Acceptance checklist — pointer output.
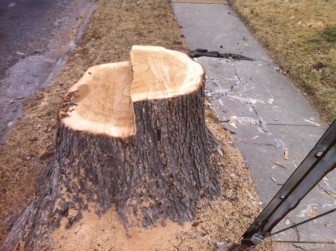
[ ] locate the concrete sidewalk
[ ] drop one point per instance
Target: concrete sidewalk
(266, 114)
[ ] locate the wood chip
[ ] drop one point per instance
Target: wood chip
(219, 150)
(286, 154)
(280, 164)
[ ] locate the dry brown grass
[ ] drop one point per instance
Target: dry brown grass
(301, 36)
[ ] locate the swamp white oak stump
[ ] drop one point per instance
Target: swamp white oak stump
(134, 134)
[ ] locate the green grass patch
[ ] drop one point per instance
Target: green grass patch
(329, 35)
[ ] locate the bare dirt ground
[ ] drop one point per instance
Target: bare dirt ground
(301, 37)
(114, 28)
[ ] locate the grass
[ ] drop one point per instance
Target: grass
(301, 37)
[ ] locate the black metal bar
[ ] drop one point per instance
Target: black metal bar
(320, 161)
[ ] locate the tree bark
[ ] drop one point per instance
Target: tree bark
(160, 170)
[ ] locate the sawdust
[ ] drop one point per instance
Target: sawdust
(222, 220)
(108, 233)
(114, 28)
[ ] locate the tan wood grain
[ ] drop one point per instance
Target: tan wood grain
(102, 100)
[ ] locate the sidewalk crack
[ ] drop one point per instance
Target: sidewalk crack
(299, 247)
(297, 232)
(326, 192)
(260, 123)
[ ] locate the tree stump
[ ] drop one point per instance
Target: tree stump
(134, 134)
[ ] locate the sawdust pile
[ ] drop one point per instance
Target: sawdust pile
(217, 222)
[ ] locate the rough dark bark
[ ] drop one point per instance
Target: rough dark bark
(159, 173)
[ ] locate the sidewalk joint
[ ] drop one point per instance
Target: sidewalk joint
(287, 124)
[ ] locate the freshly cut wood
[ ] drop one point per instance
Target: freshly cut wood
(100, 102)
(134, 134)
(159, 73)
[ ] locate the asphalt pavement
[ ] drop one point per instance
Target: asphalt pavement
(273, 125)
(35, 36)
